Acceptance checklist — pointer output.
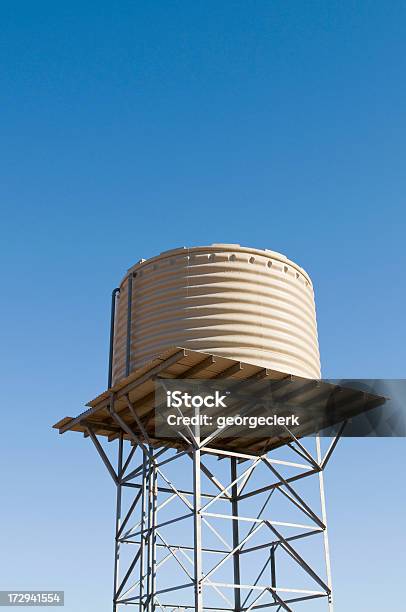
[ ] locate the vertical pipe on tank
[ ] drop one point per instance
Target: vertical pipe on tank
(112, 320)
(129, 317)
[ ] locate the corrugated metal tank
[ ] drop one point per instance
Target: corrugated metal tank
(247, 304)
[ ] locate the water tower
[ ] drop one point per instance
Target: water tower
(203, 523)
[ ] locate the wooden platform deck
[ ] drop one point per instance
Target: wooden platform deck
(138, 390)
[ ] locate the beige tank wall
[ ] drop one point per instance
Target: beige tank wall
(248, 304)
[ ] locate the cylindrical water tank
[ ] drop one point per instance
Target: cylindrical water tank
(248, 304)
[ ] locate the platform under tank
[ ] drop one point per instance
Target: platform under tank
(248, 304)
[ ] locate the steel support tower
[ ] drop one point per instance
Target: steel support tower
(217, 525)
(205, 528)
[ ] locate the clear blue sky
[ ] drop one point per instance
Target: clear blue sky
(130, 128)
